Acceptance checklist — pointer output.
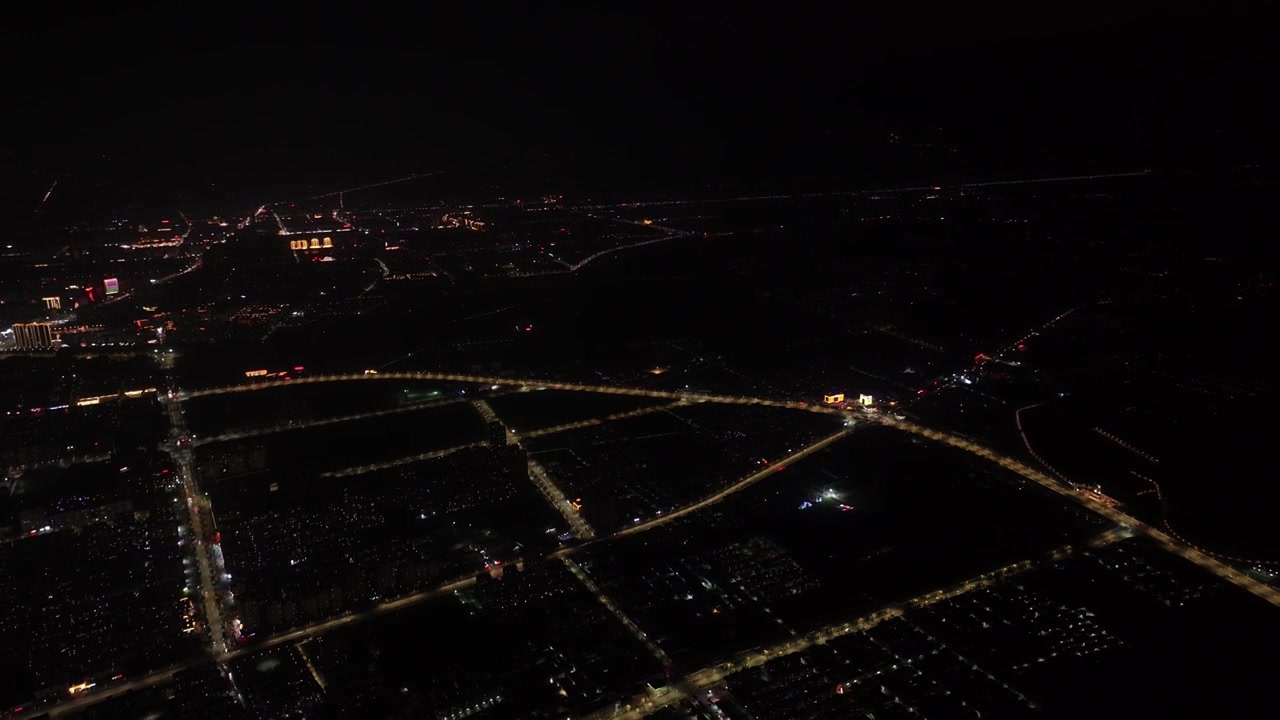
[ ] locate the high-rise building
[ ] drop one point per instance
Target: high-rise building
(498, 434)
(33, 336)
(600, 507)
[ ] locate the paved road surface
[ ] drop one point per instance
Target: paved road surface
(286, 427)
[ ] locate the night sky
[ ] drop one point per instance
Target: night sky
(222, 103)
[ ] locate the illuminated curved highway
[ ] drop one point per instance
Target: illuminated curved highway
(510, 382)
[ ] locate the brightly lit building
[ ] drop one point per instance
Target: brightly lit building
(33, 336)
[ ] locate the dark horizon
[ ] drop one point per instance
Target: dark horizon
(174, 106)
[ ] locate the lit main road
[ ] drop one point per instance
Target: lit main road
(1222, 570)
(341, 621)
(63, 462)
(286, 427)
(388, 464)
(742, 484)
(709, 677)
(550, 490)
(556, 497)
(654, 648)
(159, 677)
(486, 411)
(513, 382)
(631, 246)
(195, 504)
(600, 420)
(669, 233)
(199, 263)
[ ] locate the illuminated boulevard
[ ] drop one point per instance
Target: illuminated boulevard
(699, 679)
(514, 382)
(742, 484)
(599, 421)
(1222, 570)
(374, 467)
(618, 612)
(325, 626)
(308, 424)
(196, 504)
(551, 492)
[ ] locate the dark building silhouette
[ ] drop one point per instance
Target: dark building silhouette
(497, 434)
(600, 508)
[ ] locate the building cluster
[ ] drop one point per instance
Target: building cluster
(462, 220)
(230, 460)
(38, 520)
(533, 643)
(66, 428)
(892, 670)
(761, 568)
(995, 651)
(544, 646)
(708, 602)
(95, 593)
(279, 683)
(160, 235)
(77, 271)
(257, 314)
(201, 691)
(298, 559)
